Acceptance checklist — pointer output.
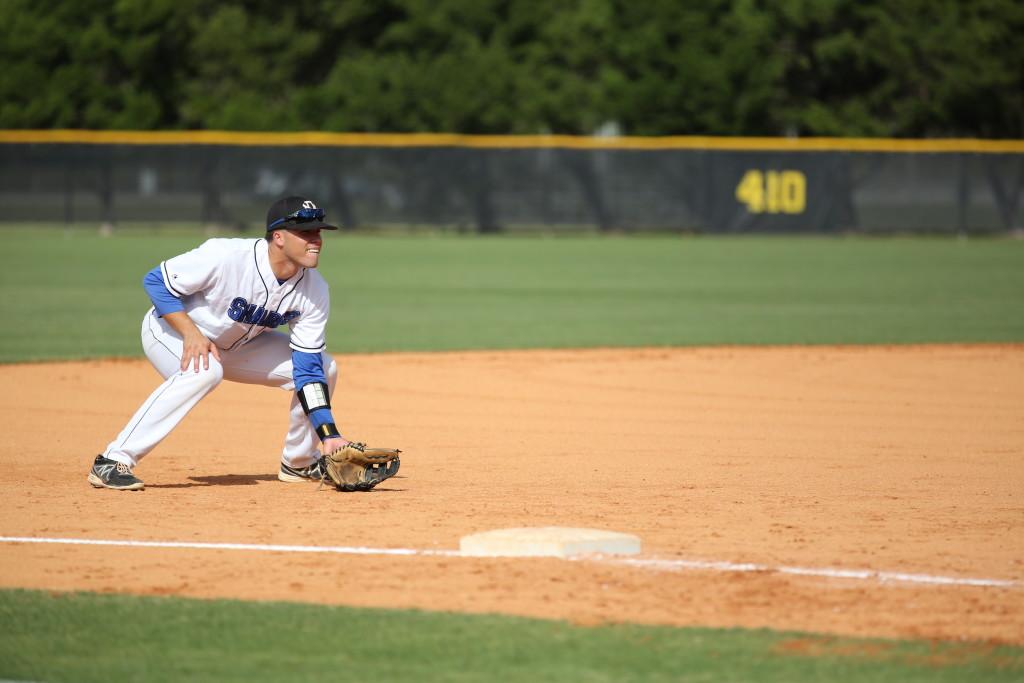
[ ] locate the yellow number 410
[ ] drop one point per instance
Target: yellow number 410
(773, 191)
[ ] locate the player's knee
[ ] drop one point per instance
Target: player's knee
(330, 370)
(210, 377)
(216, 372)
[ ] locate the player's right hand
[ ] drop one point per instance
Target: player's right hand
(198, 348)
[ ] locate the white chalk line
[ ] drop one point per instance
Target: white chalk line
(642, 563)
(861, 574)
(233, 546)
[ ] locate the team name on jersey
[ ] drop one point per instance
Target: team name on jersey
(242, 311)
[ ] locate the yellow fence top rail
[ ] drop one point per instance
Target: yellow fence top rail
(212, 137)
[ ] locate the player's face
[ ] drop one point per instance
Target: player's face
(302, 247)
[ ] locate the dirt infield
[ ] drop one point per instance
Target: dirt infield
(769, 461)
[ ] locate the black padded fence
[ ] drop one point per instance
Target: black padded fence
(491, 185)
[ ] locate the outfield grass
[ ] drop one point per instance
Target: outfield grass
(82, 637)
(78, 295)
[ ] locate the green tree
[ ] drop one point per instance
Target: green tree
(662, 67)
(91, 64)
(710, 69)
(443, 66)
(247, 68)
(918, 68)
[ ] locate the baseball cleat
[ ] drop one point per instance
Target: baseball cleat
(110, 474)
(314, 472)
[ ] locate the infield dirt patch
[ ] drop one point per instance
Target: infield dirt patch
(890, 459)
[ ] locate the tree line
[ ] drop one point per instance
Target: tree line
(846, 68)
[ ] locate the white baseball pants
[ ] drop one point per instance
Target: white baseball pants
(266, 360)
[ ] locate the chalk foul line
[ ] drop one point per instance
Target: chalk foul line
(637, 562)
(824, 572)
(233, 546)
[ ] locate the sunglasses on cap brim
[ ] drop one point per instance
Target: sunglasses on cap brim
(301, 216)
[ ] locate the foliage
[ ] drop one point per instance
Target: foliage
(916, 68)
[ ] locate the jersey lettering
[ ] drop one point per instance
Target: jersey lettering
(254, 315)
(237, 308)
(242, 311)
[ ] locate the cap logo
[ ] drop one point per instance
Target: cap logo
(308, 205)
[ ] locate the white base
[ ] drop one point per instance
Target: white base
(549, 541)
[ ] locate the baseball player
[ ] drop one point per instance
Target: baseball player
(217, 314)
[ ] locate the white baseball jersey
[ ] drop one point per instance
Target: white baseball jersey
(228, 289)
(232, 295)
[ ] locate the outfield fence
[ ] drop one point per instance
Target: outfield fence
(492, 184)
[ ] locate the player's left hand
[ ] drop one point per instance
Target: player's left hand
(335, 443)
(357, 467)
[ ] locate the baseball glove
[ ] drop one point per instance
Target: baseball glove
(356, 467)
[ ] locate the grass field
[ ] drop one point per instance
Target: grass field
(82, 637)
(77, 295)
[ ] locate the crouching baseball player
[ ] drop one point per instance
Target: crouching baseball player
(217, 314)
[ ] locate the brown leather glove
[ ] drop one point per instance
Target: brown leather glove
(357, 467)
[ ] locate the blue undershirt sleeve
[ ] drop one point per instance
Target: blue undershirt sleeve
(306, 368)
(163, 301)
